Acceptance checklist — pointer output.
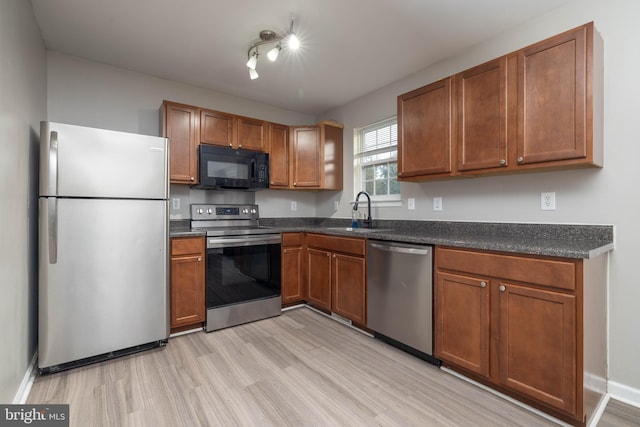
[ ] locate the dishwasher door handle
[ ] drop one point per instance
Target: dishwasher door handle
(401, 249)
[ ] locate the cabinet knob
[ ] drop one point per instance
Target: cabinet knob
(192, 178)
(334, 255)
(503, 162)
(483, 284)
(239, 145)
(199, 258)
(502, 288)
(230, 145)
(520, 159)
(295, 183)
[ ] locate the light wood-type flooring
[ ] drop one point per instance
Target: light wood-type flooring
(298, 369)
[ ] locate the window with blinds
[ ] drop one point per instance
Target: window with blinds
(376, 160)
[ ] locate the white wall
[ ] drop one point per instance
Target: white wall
(607, 196)
(22, 106)
(88, 93)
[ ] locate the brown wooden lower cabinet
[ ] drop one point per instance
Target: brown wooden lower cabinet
(336, 275)
(187, 282)
(517, 323)
(292, 268)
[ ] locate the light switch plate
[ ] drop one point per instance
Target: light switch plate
(411, 203)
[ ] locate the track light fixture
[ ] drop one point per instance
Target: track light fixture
(266, 37)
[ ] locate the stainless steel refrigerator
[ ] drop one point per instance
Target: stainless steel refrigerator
(103, 268)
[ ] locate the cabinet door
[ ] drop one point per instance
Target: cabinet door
(331, 136)
(252, 134)
(187, 290)
(278, 156)
(319, 278)
(292, 278)
(537, 345)
(306, 155)
(424, 125)
(481, 111)
(349, 287)
(180, 125)
(461, 307)
(552, 93)
(216, 128)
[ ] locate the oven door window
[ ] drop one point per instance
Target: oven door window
(241, 274)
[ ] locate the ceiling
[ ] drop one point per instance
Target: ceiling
(348, 47)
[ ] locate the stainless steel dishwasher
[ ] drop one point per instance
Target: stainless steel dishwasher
(400, 296)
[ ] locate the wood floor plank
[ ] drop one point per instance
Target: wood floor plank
(298, 369)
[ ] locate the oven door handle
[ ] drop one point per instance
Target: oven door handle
(224, 242)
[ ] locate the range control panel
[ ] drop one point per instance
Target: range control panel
(223, 212)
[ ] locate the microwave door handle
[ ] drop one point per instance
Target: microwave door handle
(253, 170)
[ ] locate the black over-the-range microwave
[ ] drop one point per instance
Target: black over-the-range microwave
(233, 169)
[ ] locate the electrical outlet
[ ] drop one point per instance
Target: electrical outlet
(175, 203)
(548, 201)
(336, 205)
(437, 203)
(294, 206)
(411, 203)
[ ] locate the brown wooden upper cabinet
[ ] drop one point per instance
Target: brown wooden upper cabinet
(300, 157)
(278, 156)
(537, 108)
(316, 157)
(424, 139)
(555, 93)
(481, 116)
(229, 130)
(180, 125)
(216, 128)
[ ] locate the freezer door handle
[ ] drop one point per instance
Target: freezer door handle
(52, 225)
(53, 163)
(401, 249)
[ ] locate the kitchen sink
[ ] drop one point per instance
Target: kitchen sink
(359, 230)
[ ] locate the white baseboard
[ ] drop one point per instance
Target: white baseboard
(624, 393)
(27, 381)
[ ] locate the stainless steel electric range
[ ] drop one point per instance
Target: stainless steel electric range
(243, 276)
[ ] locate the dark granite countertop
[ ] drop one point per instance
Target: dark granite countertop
(560, 240)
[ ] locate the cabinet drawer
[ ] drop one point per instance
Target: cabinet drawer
(558, 273)
(187, 246)
(347, 245)
(292, 239)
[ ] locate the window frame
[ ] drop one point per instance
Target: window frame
(358, 166)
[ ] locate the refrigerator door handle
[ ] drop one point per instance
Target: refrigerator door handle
(53, 163)
(52, 225)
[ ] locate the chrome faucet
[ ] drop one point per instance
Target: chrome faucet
(355, 207)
